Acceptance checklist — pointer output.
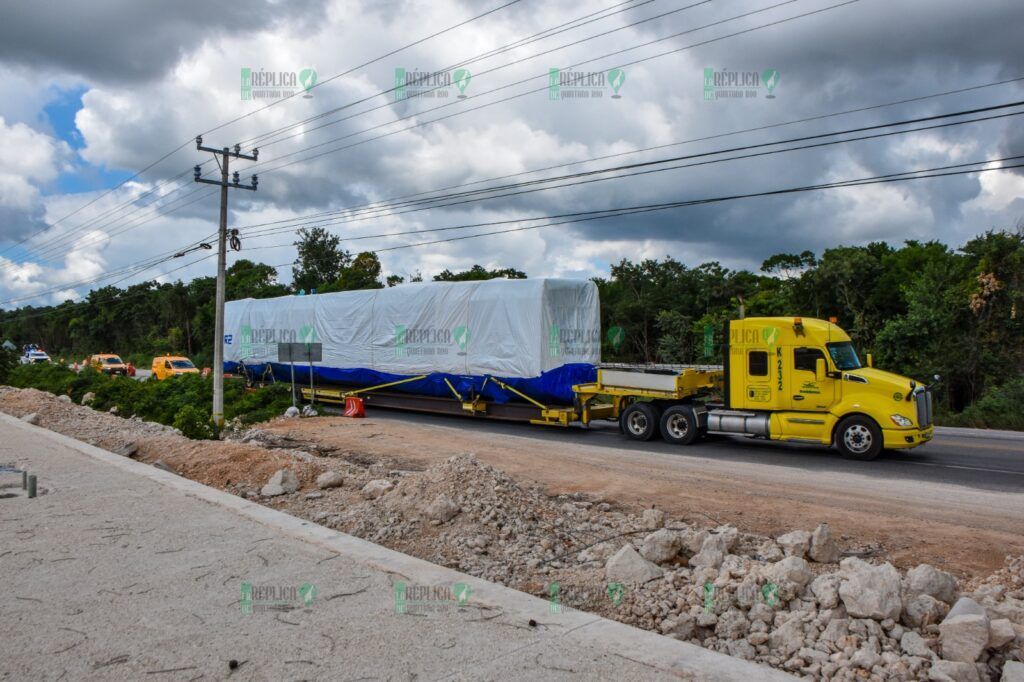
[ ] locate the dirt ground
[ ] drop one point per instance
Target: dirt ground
(906, 527)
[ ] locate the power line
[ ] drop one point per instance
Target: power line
(266, 144)
(702, 155)
(247, 115)
(919, 174)
(388, 202)
(584, 216)
(528, 92)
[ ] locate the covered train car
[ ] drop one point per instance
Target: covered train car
(538, 336)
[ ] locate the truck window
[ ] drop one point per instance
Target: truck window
(806, 358)
(757, 363)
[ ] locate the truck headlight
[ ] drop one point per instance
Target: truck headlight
(900, 420)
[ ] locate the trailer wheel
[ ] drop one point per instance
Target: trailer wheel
(679, 425)
(639, 421)
(858, 438)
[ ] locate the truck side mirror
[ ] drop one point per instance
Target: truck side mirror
(819, 369)
(871, 360)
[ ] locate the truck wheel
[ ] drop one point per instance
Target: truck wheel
(859, 438)
(679, 425)
(639, 421)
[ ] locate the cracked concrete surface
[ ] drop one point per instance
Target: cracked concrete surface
(119, 570)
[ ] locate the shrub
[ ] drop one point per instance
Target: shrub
(194, 422)
(998, 408)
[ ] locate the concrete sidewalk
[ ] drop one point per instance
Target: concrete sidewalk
(120, 570)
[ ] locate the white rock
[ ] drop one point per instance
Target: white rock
(112, 410)
(951, 671)
(309, 411)
(795, 543)
(679, 626)
(711, 558)
(825, 589)
(693, 540)
(791, 569)
(837, 628)
(823, 546)
(88, 398)
(64, 398)
(443, 509)
(965, 606)
(272, 490)
(865, 658)
(628, 567)
(653, 519)
(926, 579)
(661, 546)
(1000, 633)
(870, 591)
(329, 479)
(376, 488)
(924, 610)
(313, 495)
(963, 638)
(291, 412)
(788, 638)
(31, 418)
(288, 481)
(728, 536)
(1013, 672)
(769, 550)
(914, 644)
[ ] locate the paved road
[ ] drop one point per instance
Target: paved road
(995, 464)
(123, 571)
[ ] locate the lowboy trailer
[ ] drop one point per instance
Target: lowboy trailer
(784, 378)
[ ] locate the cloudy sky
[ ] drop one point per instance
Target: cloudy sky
(90, 93)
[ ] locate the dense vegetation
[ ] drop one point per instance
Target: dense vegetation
(921, 309)
(183, 402)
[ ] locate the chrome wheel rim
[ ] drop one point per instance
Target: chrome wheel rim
(857, 438)
(637, 423)
(677, 426)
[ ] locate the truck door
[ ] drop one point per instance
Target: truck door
(805, 392)
(757, 385)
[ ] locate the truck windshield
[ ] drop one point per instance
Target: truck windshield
(843, 355)
(114, 360)
(182, 364)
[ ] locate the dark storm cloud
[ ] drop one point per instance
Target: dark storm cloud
(123, 40)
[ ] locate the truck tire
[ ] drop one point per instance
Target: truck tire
(859, 438)
(639, 421)
(679, 425)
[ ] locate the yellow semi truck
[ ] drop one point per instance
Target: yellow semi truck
(783, 378)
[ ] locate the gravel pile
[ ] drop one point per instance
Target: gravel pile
(794, 602)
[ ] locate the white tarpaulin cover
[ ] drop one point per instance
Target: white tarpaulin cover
(505, 328)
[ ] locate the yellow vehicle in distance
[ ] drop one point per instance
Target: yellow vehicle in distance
(108, 363)
(172, 366)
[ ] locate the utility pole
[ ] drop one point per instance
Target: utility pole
(222, 242)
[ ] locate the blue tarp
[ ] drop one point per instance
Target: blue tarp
(553, 386)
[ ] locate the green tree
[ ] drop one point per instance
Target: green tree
(477, 273)
(320, 261)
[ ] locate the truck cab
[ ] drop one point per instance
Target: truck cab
(801, 380)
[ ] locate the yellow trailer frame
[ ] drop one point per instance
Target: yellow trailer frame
(606, 398)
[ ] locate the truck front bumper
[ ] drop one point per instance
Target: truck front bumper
(901, 439)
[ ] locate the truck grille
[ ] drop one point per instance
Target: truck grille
(923, 398)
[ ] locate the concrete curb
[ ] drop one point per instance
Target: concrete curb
(681, 659)
(994, 434)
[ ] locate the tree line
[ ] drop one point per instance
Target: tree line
(922, 308)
